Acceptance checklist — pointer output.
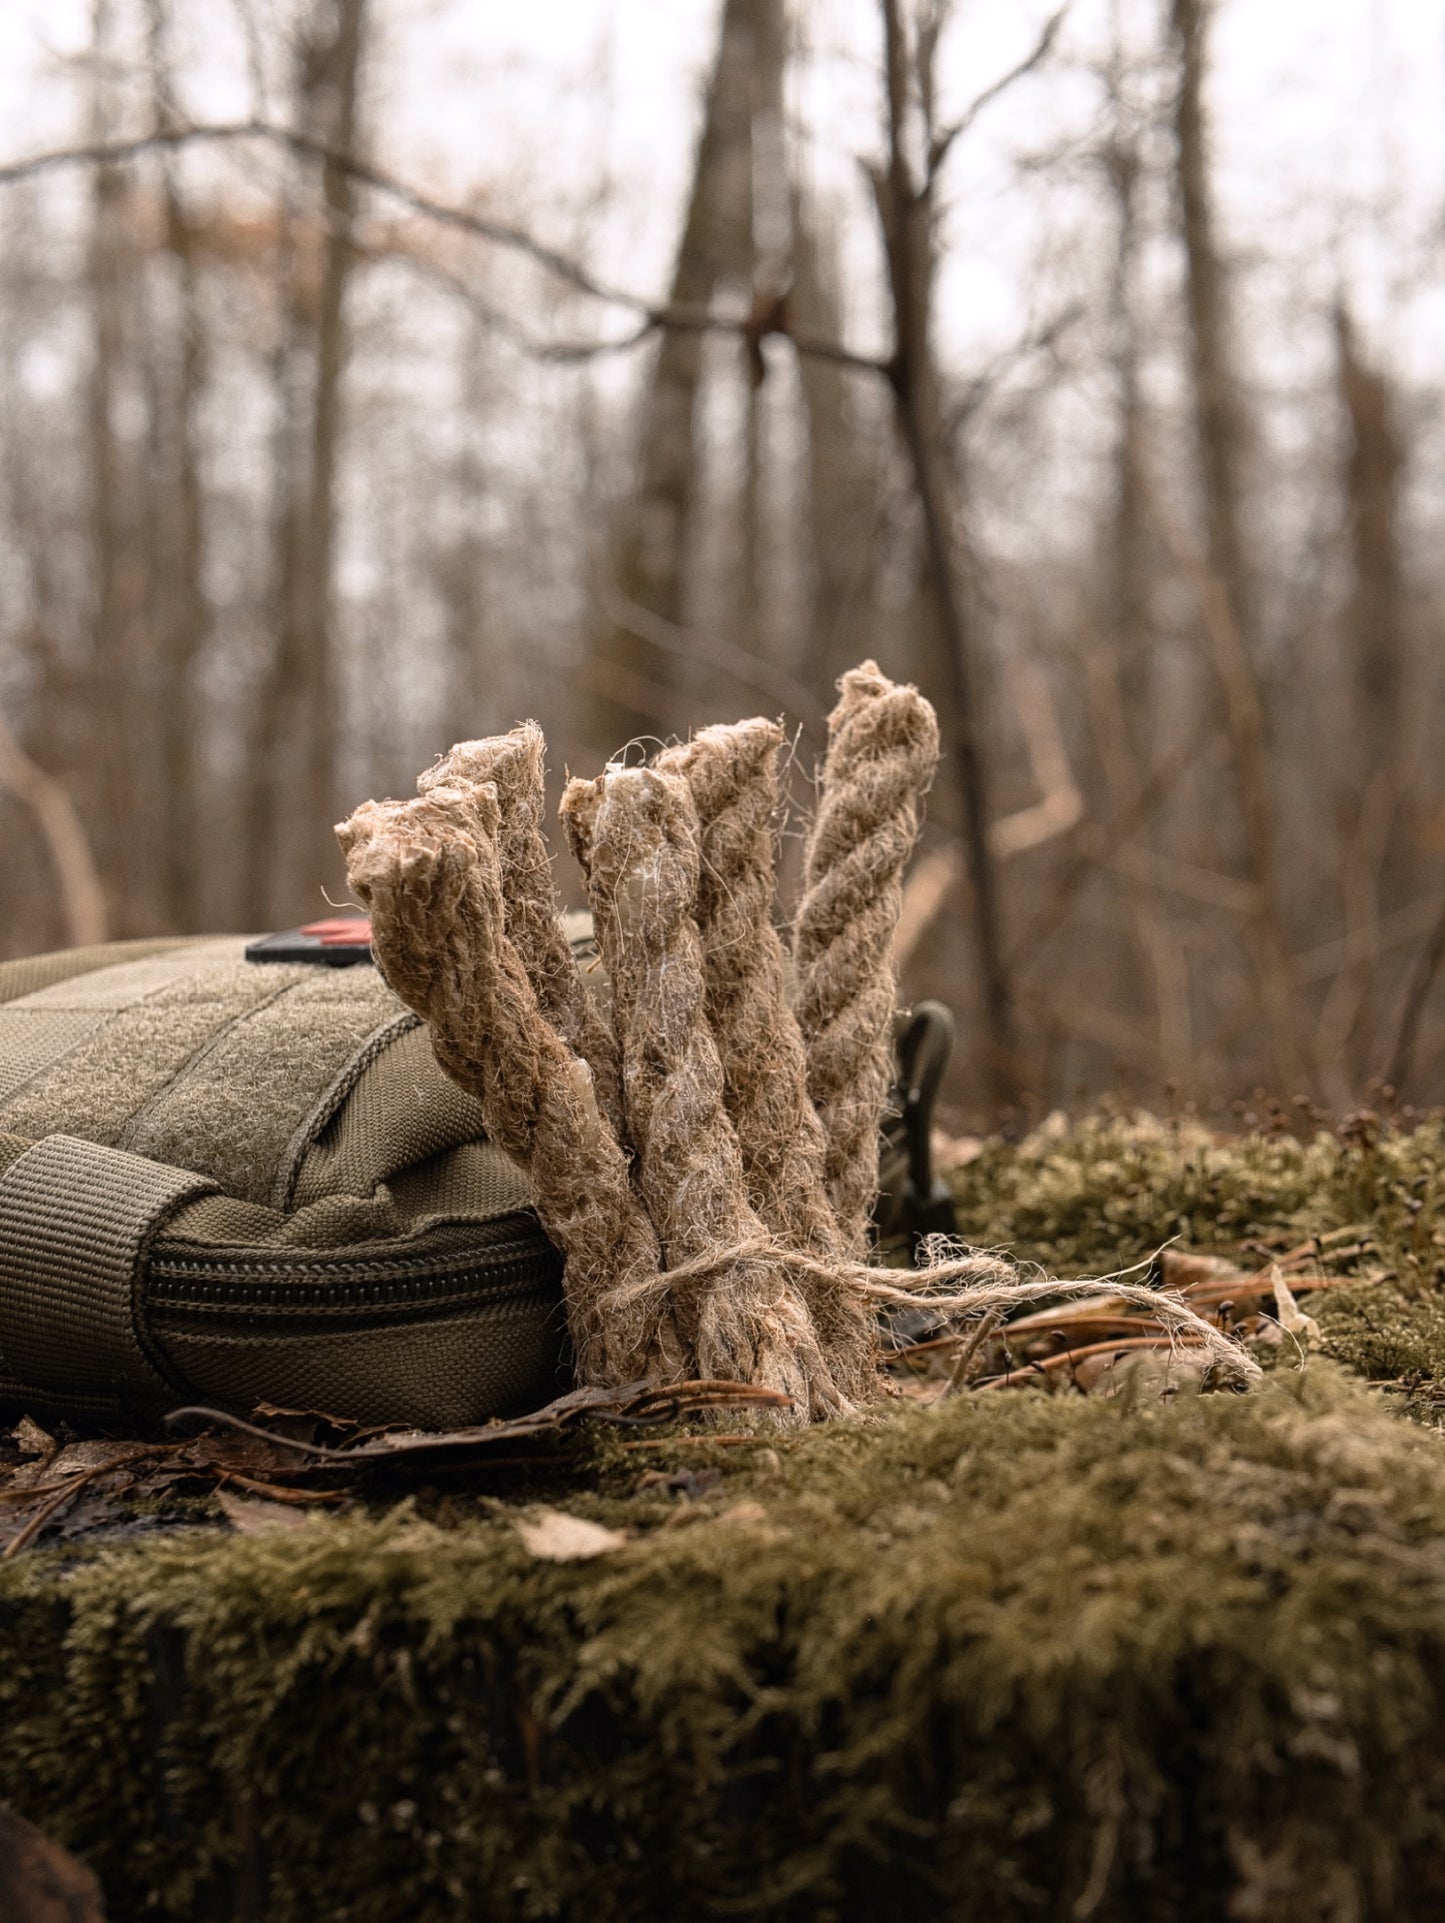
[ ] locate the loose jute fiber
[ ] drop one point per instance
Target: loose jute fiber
(706, 1156)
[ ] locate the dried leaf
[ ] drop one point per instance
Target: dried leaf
(253, 1516)
(1184, 1270)
(634, 1405)
(31, 1439)
(79, 1458)
(1290, 1316)
(554, 1536)
(40, 1882)
(745, 1512)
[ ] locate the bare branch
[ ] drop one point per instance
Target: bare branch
(752, 671)
(1422, 980)
(939, 148)
(1088, 853)
(501, 233)
(1060, 808)
(463, 220)
(82, 898)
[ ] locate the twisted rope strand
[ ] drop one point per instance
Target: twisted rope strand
(732, 773)
(514, 766)
(429, 873)
(882, 751)
(751, 1323)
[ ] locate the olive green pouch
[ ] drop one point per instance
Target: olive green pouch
(228, 1183)
(231, 1182)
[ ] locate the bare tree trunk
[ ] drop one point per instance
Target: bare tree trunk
(1231, 618)
(107, 684)
(58, 734)
(906, 216)
(474, 659)
(1123, 684)
(843, 490)
(716, 244)
(77, 879)
(1373, 852)
(1129, 546)
(770, 267)
(1374, 467)
(293, 755)
(1218, 411)
(182, 603)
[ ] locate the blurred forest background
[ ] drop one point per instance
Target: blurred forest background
(315, 457)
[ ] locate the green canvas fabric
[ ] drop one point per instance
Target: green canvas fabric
(76, 1221)
(29, 972)
(312, 1212)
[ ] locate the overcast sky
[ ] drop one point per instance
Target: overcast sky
(578, 117)
(1323, 108)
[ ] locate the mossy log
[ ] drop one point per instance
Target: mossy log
(1011, 1656)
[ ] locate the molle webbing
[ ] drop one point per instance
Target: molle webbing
(76, 1224)
(195, 1058)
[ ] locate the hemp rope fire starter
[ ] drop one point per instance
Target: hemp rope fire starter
(707, 1165)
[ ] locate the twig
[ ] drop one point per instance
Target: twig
(82, 896)
(635, 1404)
(977, 1336)
(1068, 1357)
(274, 1492)
(944, 140)
(1427, 967)
(499, 233)
(63, 1496)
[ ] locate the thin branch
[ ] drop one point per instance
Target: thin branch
(1043, 340)
(1422, 980)
(686, 644)
(939, 148)
(1060, 808)
(82, 898)
(461, 220)
(501, 233)
(1154, 787)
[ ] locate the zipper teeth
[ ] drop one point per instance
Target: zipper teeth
(222, 1287)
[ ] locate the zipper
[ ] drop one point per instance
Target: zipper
(194, 1291)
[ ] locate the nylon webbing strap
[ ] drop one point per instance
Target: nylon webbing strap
(76, 1221)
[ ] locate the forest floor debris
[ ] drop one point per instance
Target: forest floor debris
(906, 1663)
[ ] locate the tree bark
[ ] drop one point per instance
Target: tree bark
(1123, 684)
(1230, 613)
(183, 607)
(107, 683)
(1218, 410)
(906, 217)
(843, 484)
(293, 752)
(716, 244)
(1373, 472)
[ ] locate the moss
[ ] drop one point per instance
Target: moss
(1109, 1190)
(1012, 1657)
(1106, 1192)
(973, 1662)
